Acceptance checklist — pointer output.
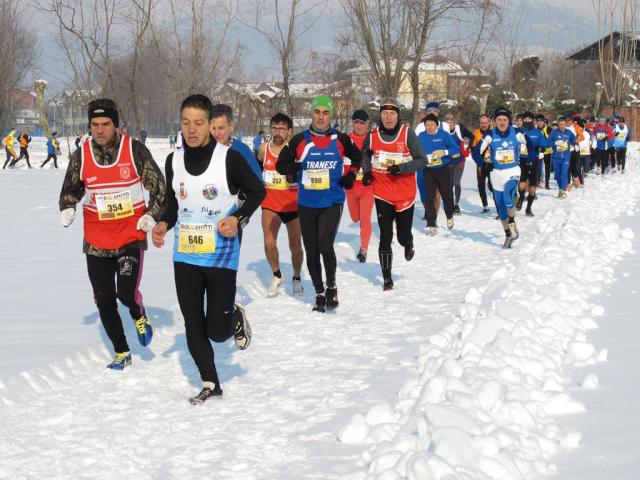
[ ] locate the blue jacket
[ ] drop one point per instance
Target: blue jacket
(50, 148)
(256, 142)
(562, 144)
(248, 155)
(440, 140)
(536, 142)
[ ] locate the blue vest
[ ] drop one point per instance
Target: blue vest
(505, 151)
(319, 173)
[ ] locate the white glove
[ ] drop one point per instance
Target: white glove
(541, 156)
(146, 223)
(66, 216)
(576, 148)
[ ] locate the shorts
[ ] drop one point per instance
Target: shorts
(285, 217)
(500, 177)
(529, 172)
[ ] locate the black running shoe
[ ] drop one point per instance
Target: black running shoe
(529, 213)
(409, 252)
(507, 242)
(362, 255)
(486, 210)
(319, 306)
(388, 285)
(456, 209)
(241, 327)
(205, 394)
(331, 294)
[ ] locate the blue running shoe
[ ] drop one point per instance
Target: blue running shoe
(145, 332)
(122, 360)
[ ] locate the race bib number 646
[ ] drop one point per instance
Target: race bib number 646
(197, 238)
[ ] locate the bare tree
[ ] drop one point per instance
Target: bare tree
(85, 33)
(17, 52)
(282, 27)
(617, 53)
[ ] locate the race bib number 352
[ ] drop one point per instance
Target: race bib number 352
(315, 179)
(114, 206)
(274, 180)
(197, 238)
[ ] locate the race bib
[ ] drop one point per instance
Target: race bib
(274, 181)
(114, 206)
(601, 136)
(505, 157)
(523, 149)
(433, 160)
(388, 159)
(316, 179)
(562, 145)
(622, 135)
(197, 238)
(360, 175)
(584, 151)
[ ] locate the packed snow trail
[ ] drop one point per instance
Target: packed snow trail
(290, 397)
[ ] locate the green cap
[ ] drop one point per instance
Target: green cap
(602, 117)
(323, 101)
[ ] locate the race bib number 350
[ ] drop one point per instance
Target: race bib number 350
(388, 159)
(197, 238)
(505, 157)
(113, 206)
(315, 179)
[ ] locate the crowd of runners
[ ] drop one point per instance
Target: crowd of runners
(214, 183)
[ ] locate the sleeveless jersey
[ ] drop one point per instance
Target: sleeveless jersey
(391, 188)
(281, 196)
(114, 199)
(203, 201)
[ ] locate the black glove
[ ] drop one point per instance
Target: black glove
(394, 169)
(347, 180)
(287, 168)
(367, 179)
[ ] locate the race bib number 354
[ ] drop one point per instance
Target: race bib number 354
(197, 238)
(113, 206)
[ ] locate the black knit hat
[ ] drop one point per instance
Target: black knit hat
(528, 114)
(360, 115)
(431, 117)
(103, 107)
(502, 112)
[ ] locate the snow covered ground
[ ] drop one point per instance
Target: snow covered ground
(472, 368)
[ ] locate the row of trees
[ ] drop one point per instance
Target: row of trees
(149, 54)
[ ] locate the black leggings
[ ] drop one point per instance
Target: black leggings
(319, 227)
(387, 214)
(51, 156)
(602, 159)
(438, 179)
(547, 169)
(576, 167)
(24, 153)
(115, 278)
(621, 157)
(484, 181)
(218, 286)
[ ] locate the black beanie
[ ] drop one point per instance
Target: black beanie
(431, 117)
(502, 112)
(103, 107)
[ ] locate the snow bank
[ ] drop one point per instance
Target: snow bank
(482, 400)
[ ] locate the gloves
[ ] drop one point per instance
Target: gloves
(394, 169)
(576, 148)
(347, 180)
(367, 179)
(146, 223)
(541, 156)
(66, 216)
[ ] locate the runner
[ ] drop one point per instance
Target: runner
(8, 142)
(622, 137)
(438, 146)
(113, 172)
(392, 154)
(563, 142)
(360, 198)
(222, 129)
(603, 137)
(315, 158)
(483, 169)
(530, 153)
(430, 108)
(203, 181)
(462, 138)
(24, 139)
(585, 150)
(280, 206)
(503, 142)
(575, 170)
(52, 150)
